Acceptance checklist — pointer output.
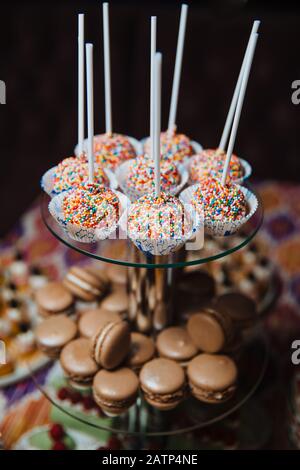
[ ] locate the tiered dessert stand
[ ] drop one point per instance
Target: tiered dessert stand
(151, 289)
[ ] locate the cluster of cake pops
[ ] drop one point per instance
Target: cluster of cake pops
(152, 172)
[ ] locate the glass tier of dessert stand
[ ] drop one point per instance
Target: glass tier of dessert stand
(151, 286)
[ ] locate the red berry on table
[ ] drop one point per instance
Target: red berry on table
(88, 403)
(57, 432)
(114, 443)
(75, 397)
(59, 446)
(63, 393)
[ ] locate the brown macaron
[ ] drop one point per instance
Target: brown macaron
(111, 344)
(92, 320)
(53, 333)
(212, 378)
(238, 307)
(195, 290)
(210, 330)
(175, 343)
(163, 383)
(115, 391)
(54, 298)
(142, 350)
(78, 364)
(85, 284)
(117, 301)
(117, 274)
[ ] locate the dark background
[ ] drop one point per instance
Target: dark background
(38, 62)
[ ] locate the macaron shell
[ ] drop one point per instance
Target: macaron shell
(162, 376)
(212, 373)
(206, 332)
(84, 284)
(115, 391)
(54, 298)
(142, 349)
(117, 301)
(54, 333)
(111, 344)
(238, 307)
(92, 320)
(76, 360)
(175, 343)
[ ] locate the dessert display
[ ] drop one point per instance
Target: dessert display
(209, 163)
(18, 317)
(136, 177)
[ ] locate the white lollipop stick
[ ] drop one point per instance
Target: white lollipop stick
(239, 105)
(157, 119)
(90, 108)
(107, 79)
(230, 115)
(177, 69)
(152, 74)
(80, 82)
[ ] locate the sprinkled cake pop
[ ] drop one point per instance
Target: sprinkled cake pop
(210, 163)
(156, 217)
(91, 206)
(140, 176)
(112, 149)
(173, 147)
(73, 171)
(220, 202)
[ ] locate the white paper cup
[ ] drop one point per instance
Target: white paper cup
(47, 181)
(133, 194)
(83, 234)
(223, 228)
(134, 142)
(193, 220)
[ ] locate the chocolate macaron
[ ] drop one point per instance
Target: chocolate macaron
(117, 301)
(238, 307)
(92, 320)
(78, 364)
(111, 344)
(142, 350)
(175, 343)
(85, 283)
(212, 378)
(53, 333)
(54, 298)
(163, 383)
(210, 330)
(115, 391)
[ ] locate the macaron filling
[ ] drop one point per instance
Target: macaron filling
(210, 395)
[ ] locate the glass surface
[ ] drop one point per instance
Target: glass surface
(144, 420)
(123, 252)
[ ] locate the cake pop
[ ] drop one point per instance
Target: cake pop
(173, 146)
(72, 172)
(91, 206)
(112, 149)
(157, 218)
(137, 177)
(210, 163)
(220, 202)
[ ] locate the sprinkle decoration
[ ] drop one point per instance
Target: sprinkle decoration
(210, 163)
(140, 176)
(174, 147)
(73, 171)
(220, 202)
(112, 149)
(91, 206)
(156, 218)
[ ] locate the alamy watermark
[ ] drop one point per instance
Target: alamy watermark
(295, 357)
(2, 92)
